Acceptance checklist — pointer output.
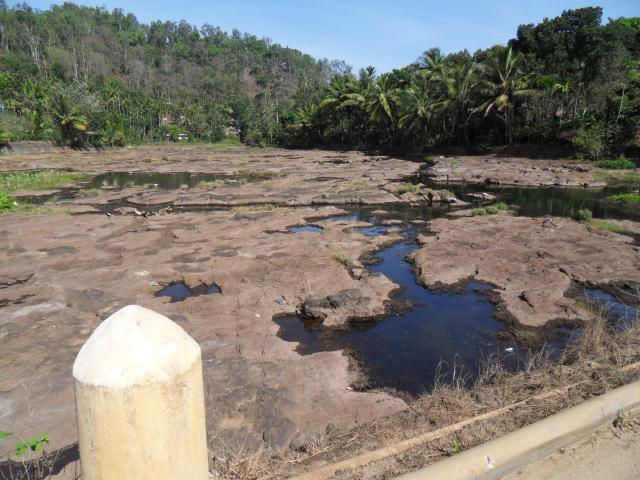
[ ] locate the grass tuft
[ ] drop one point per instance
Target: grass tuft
(408, 188)
(490, 209)
(43, 180)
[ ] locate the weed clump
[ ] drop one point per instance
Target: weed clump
(6, 202)
(342, 258)
(583, 215)
(625, 198)
(407, 188)
(490, 209)
(617, 164)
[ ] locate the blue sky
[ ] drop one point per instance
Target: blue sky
(385, 34)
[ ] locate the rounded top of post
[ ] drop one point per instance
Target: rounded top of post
(135, 346)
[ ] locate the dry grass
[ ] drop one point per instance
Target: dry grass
(502, 401)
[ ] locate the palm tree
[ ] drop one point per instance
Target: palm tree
(458, 84)
(503, 83)
(417, 109)
(67, 117)
(381, 99)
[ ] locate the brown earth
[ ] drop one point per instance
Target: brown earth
(62, 274)
(525, 172)
(531, 261)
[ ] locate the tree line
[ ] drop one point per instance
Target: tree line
(570, 79)
(86, 76)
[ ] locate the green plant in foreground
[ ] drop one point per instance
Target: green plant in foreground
(35, 444)
(626, 197)
(456, 446)
(617, 164)
(6, 202)
(583, 214)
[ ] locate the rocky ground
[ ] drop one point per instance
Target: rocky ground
(63, 272)
(525, 172)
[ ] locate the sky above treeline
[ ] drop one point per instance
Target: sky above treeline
(385, 34)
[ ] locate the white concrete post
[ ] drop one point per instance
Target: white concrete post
(140, 400)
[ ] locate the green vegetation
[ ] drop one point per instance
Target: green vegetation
(42, 180)
(35, 444)
(604, 225)
(456, 446)
(251, 174)
(567, 79)
(490, 209)
(625, 197)
(6, 202)
(84, 76)
(408, 188)
(583, 215)
(619, 164)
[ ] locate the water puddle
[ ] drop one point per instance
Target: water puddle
(304, 228)
(179, 291)
(374, 231)
(404, 350)
(622, 315)
(554, 201)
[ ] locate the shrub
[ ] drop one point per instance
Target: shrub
(490, 209)
(591, 141)
(626, 197)
(583, 214)
(618, 164)
(6, 202)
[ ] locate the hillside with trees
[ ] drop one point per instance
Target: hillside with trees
(85, 76)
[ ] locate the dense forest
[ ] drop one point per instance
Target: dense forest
(569, 79)
(86, 76)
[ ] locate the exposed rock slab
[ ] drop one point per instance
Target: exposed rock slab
(531, 261)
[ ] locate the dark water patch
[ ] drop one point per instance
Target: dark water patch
(179, 291)
(304, 228)
(168, 181)
(373, 231)
(622, 314)
(403, 351)
(538, 201)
